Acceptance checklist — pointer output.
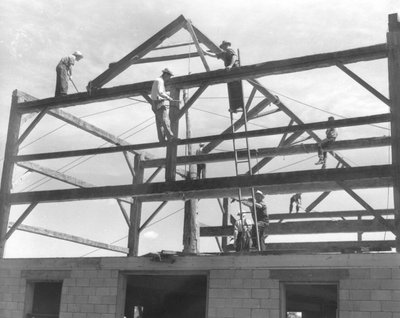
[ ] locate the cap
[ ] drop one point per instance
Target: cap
(225, 43)
(260, 193)
(166, 70)
(77, 53)
(201, 145)
(331, 118)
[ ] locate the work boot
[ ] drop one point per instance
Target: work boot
(320, 161)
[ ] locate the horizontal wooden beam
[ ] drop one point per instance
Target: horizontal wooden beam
(226, 136)
(273, 183)
(306, 227)
(329, 214)
(166, 58)
(70, 238)
(273, 152)
(213, 77)
(338, 246)
(173, 46)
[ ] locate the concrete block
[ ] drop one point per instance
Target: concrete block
(108, 300)
(243, 273)
(393, 306)
(111, 309)
(371, 305)
(381, 315)
(72, 308)
(87, 308)
(212, 312)
(360, 294)
(220, 293)
(234, 302)
(251, 283)
(236, 283)
(381, 273)
(219, 283)
(269, 283)
(79, 315)
(273, 313)
(94, 299)
(88, 291)
(222, 273)
(261, 273)
(274, 293)
(81, 299)
(82, 282)
(372, 284)
(241, 312)
(260, 293)
(259, 313)
(393, 284)
(353, 314)
(270, 303)
(396, 273)
(357, 273)
(381, 295)
(65, 315)
(100, 308)
(217, 302)
(224, 312)
(344, 294)
(396, 295)
(103, 291)
(241, 293)
(251, 303)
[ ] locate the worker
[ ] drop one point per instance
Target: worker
(201, 167)
(227, 55)
(242, 233)
(159, 98)
(262, 219)
(295, 199)
(64, 72)
(331, 135)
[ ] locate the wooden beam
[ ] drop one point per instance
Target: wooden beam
(284, 182)
(270, 153)
(61, 177)
(366, 206)
(172, 145)
(140, 51)
(317, 201)
(173, 46)
(190, 102)
(393, 44)
(32, 125)
(11, 149)
(212, 77)
(189, 28)
(306, 227)
(21, 219)
(92, 129)
(206, 41)
(331, 214)
(363, 83)
(70, 238)
(166, 58)
(152, 216)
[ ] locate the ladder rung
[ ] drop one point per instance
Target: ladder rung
(242, 161)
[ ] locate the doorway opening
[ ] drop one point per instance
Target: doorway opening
(165, 296)
(311, 300)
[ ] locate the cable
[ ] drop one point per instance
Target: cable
(171, 214)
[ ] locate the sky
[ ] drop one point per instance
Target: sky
(35, 34)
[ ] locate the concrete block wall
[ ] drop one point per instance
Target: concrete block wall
(243, 293)
(238, 286)
(370, 293)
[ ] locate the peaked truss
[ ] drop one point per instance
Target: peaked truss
(344, 177)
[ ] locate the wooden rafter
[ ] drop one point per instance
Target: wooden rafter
(284, 182)
(21, 219)
(32, 125)
(70, 238)
(213, 77)
(189, 28)
(152, 216)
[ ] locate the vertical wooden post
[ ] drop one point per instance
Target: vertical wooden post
(172, 147)
(225, 219)
(190, 226)
(136, 211)
(393, 44)
(11, 150)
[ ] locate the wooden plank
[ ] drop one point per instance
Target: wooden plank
(190, 102)
(270, 153)
(189, 28)
(21, 219)
(32, 125)
(70, 238)
(363, 83)
(152, 216)
(366, 206)
(139, 52)
(317, 201)
(306, 227)
(92, 129)
(172, 145)
(173, 46)
(11, 149)
(393, 43)
(205, 40)
(330, 214)
(213, 77)
(165, 58)
(284, 182)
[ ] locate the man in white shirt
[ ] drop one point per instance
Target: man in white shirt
(64, 72)
(159, 97)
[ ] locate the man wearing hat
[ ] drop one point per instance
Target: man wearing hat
(262, 218)
(242, 233)
(331, 135)
(201, 167)
(227, 55)
(64, 72)
(159, 106)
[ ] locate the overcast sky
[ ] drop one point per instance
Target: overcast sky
(35, 34)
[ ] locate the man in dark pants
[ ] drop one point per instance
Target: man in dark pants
(262, 219)
(159, 97)
(64, 72)
(201, 167)
(331, 135)
(295, 199)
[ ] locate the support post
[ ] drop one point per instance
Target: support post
(172, 147)
(136, 211)
(393, 45)
(225, 220)
(8, 167)
(191, 232)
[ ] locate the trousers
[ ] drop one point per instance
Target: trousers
(162, 121)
